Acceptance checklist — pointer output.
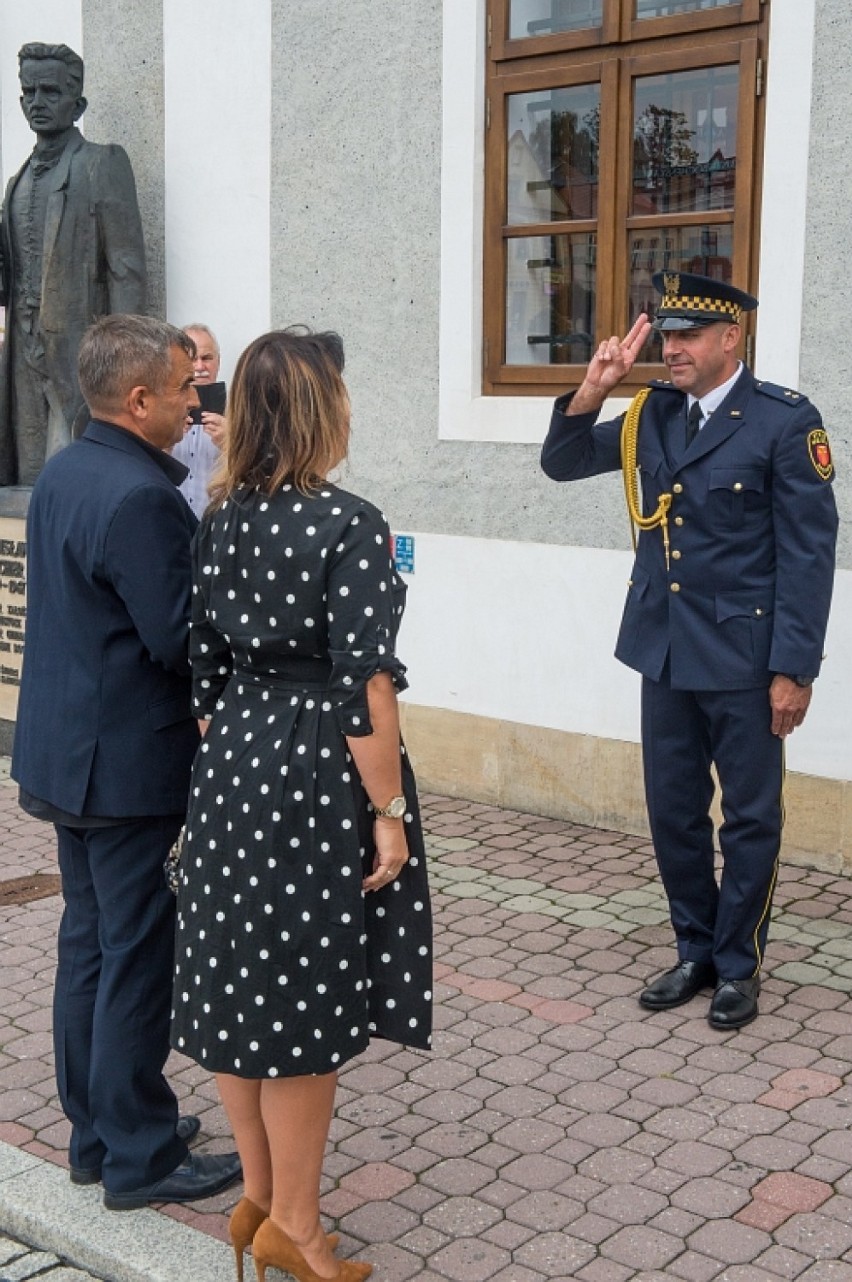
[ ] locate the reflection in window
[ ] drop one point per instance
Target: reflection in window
(666, 8)
(552, 162)
(707, 251)
(684, 141)
(547, 17)
(550, 300)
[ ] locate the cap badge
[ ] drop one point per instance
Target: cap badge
(671, 280)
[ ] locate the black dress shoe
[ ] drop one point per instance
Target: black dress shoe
(187, 1128)
(678, 985)
(734, 1003)
(201, 1175)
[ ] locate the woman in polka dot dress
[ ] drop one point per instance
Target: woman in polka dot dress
(303, 916)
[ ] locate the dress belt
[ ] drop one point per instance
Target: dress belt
(298, 673)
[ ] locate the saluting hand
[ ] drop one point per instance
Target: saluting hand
(613, 361)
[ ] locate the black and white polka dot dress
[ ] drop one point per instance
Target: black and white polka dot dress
(283, 965)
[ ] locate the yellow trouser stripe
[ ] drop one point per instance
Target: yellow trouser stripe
(774, 877)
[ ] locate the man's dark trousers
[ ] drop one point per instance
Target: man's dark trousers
(112, 1000)
(683, 731)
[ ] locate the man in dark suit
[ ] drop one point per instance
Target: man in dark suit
(104, 742)
(725, 616)
(71, 250)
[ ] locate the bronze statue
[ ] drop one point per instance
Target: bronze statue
(71, 249)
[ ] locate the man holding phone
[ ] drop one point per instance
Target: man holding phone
(203, 440)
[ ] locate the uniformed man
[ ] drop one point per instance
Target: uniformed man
(725, 616)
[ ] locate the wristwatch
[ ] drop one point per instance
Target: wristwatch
(395, 809)
(801, 681)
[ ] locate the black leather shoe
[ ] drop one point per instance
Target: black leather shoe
(187, 1128)
(678, 985)
(734, 1003)
(201, 1175)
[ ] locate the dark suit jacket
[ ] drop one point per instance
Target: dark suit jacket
(93, 264)
(104, 725)
(753, 527)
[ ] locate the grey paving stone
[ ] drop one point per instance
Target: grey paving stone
(28, 1265)
(555, 1255)
(471, 1260)
(642, 1247)
(730, 1242)
(694, 1267)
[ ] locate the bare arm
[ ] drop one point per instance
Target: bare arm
(377, 758)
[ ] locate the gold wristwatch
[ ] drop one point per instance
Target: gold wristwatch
(395, 809)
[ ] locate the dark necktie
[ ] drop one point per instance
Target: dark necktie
(693, 421)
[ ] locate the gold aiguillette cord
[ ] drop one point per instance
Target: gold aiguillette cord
(629, 438)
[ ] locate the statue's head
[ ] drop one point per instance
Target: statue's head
(51, 87)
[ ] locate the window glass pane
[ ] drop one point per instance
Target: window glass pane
(552, 161)
(707, 251)
(546, 17)
(666, 8)
(550, 299)
(684, 141)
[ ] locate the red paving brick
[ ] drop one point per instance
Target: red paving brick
(558, 1131)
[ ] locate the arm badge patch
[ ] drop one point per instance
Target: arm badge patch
(819, 452)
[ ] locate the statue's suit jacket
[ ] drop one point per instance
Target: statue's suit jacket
(104, 726)
(93, 264)
(752, 526)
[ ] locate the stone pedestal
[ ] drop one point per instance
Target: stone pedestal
(14, 502)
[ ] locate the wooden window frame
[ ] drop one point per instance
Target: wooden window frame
(734, 34)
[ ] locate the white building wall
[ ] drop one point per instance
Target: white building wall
(218, 72)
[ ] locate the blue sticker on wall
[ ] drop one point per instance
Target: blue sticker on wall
(403, 553)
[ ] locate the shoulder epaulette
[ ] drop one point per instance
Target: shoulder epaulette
(778, 393)
(663, 385)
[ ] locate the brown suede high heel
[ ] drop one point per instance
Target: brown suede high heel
(246, 1219)
(272, 1247)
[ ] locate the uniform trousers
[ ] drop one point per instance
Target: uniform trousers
(683, 733)
(112, 1000)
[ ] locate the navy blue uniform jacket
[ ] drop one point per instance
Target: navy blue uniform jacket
(104, 726)
(752, 526)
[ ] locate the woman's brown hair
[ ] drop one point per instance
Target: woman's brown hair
(288, 414)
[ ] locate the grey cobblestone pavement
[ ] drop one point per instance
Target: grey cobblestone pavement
(19, 1262)
(558, 1131)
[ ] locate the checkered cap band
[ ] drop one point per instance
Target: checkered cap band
(695, 303)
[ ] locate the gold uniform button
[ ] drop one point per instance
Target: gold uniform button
(678, 520)
(675, 587)
(676, 555)
(677, 487)
(738, 485)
